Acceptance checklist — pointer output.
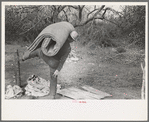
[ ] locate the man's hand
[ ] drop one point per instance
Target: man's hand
(55, 73)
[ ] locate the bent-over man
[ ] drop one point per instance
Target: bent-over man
(53, 46)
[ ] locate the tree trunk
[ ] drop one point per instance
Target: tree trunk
(55, 16)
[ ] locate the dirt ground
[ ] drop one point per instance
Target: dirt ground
(121, 81)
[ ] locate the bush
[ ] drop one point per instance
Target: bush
(23, 22)
(99, 33)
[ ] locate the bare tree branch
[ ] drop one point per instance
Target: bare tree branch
(65, 15)
(88, 21)
(101, 18)
(61, 8)
(30, 28)
(87, 9)
(80, 8)
(75, 7)
(92, 18)
(99, 10)
(111, 22)
(91, 12)
(105, 10)
(114, 11)
(53, 7)
(83, 6)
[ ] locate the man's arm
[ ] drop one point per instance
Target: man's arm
(63, 59)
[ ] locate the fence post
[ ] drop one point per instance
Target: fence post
(143, 81)
(17, 68)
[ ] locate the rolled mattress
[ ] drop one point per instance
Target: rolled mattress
(52, 38)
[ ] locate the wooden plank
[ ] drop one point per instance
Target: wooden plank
(95, 91)
(76, 94)
(57, 97)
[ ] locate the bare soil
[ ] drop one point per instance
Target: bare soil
(119, 80)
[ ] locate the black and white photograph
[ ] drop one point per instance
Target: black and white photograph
(74, 52)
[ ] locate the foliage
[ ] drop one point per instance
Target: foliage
(133, 24)
(98, 24)
(129, 24)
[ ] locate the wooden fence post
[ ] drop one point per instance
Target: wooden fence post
(17, 68)
(143, 81)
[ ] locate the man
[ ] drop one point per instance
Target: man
(53, 46)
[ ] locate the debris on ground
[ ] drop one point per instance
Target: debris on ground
(38, 86)
(13, 92)
(72, 57)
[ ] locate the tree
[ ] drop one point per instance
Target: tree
(28, 20)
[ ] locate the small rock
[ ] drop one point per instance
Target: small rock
(120, 50)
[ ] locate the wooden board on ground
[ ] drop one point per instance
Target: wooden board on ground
(58, 97)
(95, 91)
(78, 94)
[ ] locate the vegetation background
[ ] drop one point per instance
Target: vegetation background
(97, 24)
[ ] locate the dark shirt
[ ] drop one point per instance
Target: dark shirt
(63, 54)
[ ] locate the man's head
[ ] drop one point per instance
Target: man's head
(74, 35)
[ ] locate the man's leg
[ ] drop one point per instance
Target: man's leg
(53, 64)
(53, 84)
(28, 55)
